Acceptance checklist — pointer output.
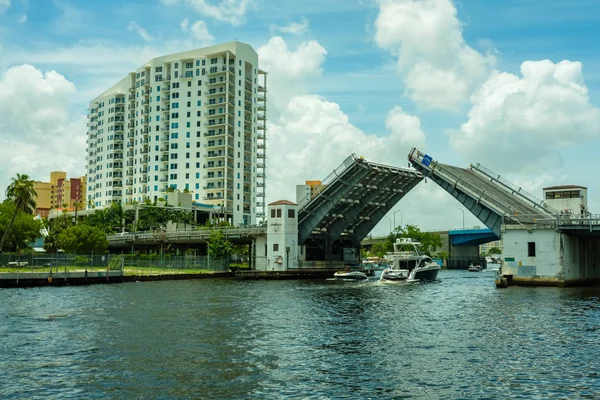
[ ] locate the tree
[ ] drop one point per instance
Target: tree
(494, 250)
(56, 226)
(22, 193)
(430, 242)
(25, 229)
(218, 246)
(83, 238)
(77, 205)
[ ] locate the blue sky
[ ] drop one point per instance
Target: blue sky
(90, 45)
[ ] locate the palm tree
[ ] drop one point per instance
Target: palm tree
(21, 191)
(78, 204)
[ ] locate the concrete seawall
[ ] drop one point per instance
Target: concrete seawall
(44, 279)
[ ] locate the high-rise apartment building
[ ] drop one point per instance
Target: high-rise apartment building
(192, 121)
(60, 193)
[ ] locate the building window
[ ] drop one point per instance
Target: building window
(273, 213)
(275, 246)
(530, 249)
(291, 213)
(279, 213)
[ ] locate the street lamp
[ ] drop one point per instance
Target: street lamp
(389, 219)
(401, 224)
(463, 212)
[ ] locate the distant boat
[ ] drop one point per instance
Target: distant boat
(350, 275)
(408, 264)
(475, 267)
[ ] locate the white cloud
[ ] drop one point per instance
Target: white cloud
(198, 31)
(134, 26)
(293, 28)
(528, 119)
(311, 132)
(291, 72)
(22, 19)
(231, 11)
(439, 69)
(4, 5)
(38, 135)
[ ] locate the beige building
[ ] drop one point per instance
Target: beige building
(484, 248)
(60, 193)
(194, 120)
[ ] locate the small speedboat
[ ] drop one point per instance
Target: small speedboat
(350, 275)
(475, 267)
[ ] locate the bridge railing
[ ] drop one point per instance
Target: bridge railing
(476, 193)
(561, 221)
(511, 186)
(472, 190)
(198, 234)
(337, 172)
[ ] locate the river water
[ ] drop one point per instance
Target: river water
(227, 339)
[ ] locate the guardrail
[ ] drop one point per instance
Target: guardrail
(176, 236)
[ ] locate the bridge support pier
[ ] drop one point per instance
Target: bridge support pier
(548, 257)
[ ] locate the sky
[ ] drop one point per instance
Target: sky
(512, 84)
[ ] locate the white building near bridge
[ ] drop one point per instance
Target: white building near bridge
(192, 121)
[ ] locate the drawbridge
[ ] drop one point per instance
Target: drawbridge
(491, 198)
(348, 204)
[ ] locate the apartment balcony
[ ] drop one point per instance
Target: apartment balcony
(248, 99)
(261, 146)
(164, 158)
(217, 187)
(213, 165)
(163, 179)
(261, 117)
(216, 81)
(219, 123)
(261, 88)
(214, 71)
(165, 99)
(260, 155)
(213, 176)
(218, 133)
(216, 91)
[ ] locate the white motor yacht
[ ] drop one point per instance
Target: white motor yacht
(408, 264)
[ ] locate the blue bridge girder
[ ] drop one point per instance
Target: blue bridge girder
(471, 236)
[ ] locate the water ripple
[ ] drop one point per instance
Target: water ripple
(219, 339)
